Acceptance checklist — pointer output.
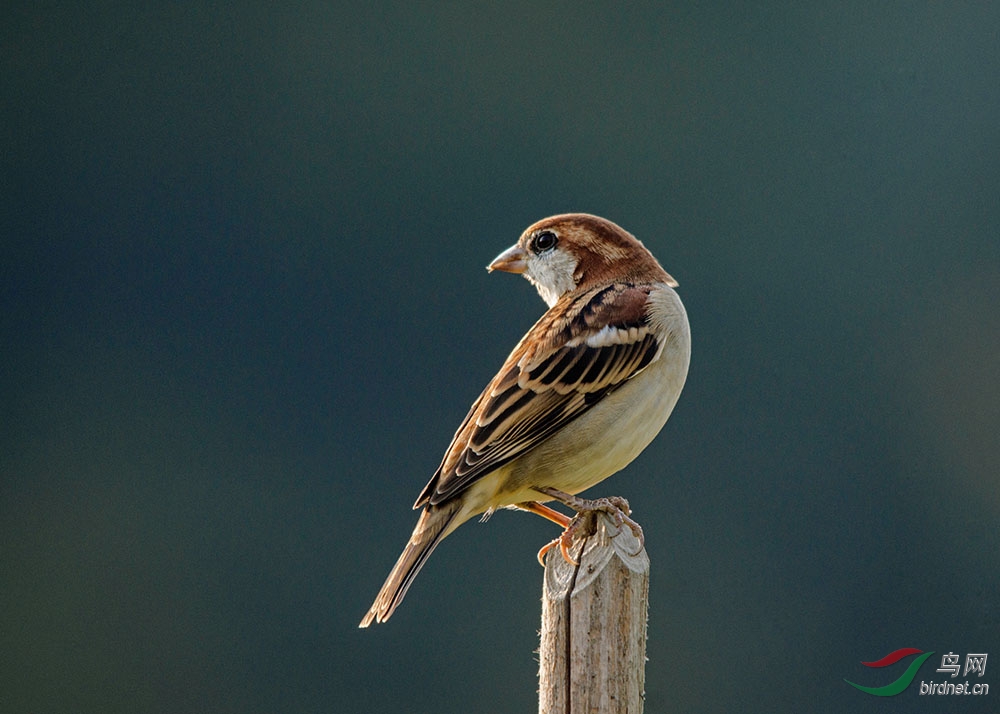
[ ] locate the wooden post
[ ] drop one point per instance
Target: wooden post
(592, 656)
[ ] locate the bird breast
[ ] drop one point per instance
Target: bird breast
(608, 437)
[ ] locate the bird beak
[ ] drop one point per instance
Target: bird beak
(512, 260)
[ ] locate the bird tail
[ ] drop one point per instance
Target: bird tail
(435, 523)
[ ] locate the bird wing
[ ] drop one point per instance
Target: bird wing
(573, 357)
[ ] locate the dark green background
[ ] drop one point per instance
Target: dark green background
(244, 308)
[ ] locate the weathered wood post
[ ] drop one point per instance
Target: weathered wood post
(592, 656)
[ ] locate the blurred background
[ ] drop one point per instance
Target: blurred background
(244, 307)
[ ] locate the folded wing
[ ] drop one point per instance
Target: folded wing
(567, 363)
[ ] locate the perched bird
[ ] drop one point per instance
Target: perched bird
(582, 394)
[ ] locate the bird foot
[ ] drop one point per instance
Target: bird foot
(584, 523)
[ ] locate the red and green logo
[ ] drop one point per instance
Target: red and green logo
(894, 688)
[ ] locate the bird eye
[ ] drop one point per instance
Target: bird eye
(546, 240)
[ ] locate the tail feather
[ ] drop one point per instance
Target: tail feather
(435, 523)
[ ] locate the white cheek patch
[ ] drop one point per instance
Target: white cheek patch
(552, 274)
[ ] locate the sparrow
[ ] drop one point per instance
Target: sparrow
(580, 396)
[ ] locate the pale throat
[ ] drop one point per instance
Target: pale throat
(552, 275)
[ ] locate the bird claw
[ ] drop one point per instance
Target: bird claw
(619, 510)
(584, 523)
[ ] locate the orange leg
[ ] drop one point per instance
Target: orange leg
(556, 517)
(545, 512)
